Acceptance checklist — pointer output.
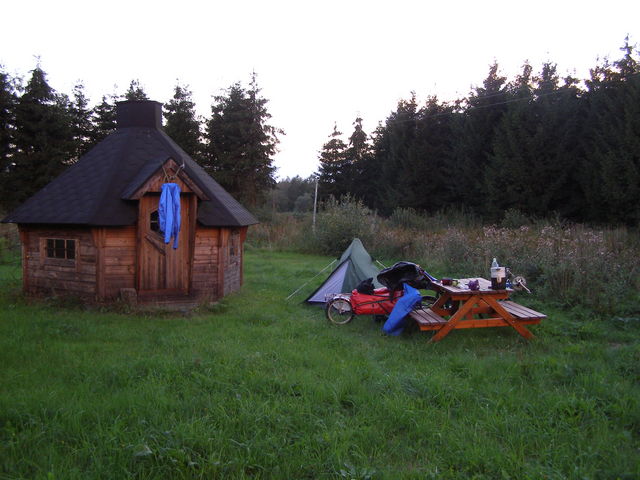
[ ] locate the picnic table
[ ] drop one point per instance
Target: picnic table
(460, 307)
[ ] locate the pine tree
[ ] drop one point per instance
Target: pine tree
(43, 137)
(333, 180)
(241, 143)
(182, 123)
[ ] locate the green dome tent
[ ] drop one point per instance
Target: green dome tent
(354, 266)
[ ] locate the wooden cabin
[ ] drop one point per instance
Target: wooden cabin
(93, 232)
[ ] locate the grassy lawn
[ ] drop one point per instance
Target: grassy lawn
(257, 387)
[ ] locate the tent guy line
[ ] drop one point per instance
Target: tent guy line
(311, 279)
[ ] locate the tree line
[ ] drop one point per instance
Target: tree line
(540, 145)
(43, 131)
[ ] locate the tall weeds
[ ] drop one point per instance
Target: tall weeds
(571, 265)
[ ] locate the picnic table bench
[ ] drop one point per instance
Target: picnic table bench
(459, 307)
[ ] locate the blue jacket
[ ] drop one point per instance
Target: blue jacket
(169, 212)
(396, 321)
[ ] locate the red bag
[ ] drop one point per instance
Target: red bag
(377, 304)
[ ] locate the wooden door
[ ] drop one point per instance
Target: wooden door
(162, 269)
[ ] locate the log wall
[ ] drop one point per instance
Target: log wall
(106, 262)
(232, 252)
(53, 276)
(204, 275)
(117, 260)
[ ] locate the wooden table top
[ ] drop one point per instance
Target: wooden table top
(485, 287)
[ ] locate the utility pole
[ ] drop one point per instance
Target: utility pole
(315, 207)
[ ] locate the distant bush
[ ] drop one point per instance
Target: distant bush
(408, 218)
(339, 222)
(304, 203)
(514, 218)
(286, 232)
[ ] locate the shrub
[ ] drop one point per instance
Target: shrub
(514, 218)
(339, 222)
(284, 232)
(409, 219)
(304, 203)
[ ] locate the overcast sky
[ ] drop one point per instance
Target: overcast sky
(317, 62)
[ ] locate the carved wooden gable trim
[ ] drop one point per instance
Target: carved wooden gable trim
(170, 172)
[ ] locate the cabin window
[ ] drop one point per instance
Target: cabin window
(60, 248)
(154, 222)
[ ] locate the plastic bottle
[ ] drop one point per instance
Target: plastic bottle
(495, 275)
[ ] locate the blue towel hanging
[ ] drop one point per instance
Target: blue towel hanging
(169, 212)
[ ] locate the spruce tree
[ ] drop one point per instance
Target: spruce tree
(507, 169)
(556, 152)
(263, 145)
(241, 143)
(611, 172)
(392, 157)
(182, 123)
(358, 142)
(369, 180)
(536, 148)
(43, 137)
(427, 177)
(357, 152)
(135, 91)
(82, 126)
(332, 172)
(474, 133)
(225, 138)
(103, 119)
(8, 101)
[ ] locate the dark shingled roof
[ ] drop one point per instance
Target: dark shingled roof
(94, 191)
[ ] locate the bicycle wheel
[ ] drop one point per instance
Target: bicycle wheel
(339, 311)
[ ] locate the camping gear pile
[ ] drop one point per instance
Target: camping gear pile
(356, 287)
(396, 298)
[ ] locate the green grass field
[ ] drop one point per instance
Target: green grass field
(257, 387)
